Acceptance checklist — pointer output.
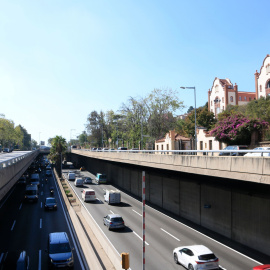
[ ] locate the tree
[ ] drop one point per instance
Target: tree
(237, 129)
(58, 150)
(190, 109)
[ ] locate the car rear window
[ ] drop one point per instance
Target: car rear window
(90, 193)
(117, 219)
(206, 257)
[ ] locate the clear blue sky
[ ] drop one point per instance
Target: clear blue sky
(62, 59)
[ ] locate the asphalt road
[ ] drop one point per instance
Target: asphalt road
(163, 233)
(26, 226)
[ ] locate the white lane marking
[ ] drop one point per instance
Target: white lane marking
(170, 234)
(40, 223)
(13, 225)
(41, 205)
(39, 260)
(198, 232)
(140, 238)
(137, 213)
(222, 267)
(1, 257)
(20, 206)
(112, 212)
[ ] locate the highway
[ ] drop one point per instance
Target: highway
(163, 233)
(26, 226)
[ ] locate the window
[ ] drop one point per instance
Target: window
(223, 100)
(240, 98)
(162, 147)
(167, 146)
(260, 88)
(205, 145)
(245, 98)
(201, 145)
(249, 98)
(231, 99)
(268, 84)
(157, 147)
(210, 144)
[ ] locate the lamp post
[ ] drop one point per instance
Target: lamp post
(194, 88)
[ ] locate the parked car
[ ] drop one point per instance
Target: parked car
(262, 267)
(195, 257)
(105, 149)
(87, 180)
(114, 221)
(22, 180)
(50, 203)
(23, 261)
(88, 195)
(234, 147)
(6, 150)
(94, 149)
(121, 148)
(59, 250)
(259, 154)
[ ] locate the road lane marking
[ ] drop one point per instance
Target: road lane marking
(170, 234)
(39, 260)
(140, 238)
(13, 225)
(41, 205)
(40, 224)
(20, 206)
(112, 212)
(137, 213)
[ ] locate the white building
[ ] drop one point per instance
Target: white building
(262, 79)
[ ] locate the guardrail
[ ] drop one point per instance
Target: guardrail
(188, 152)
(13, 160)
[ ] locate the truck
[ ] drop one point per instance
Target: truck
(112, 196)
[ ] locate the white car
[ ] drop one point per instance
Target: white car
(197, 257)
(259, 153)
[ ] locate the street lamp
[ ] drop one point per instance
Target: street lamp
(195, 112)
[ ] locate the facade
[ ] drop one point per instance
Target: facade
(262, 79)
(207, 142)
(223, 93)
(173, 141)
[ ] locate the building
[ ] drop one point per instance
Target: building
(223, 93)
(262, 79)
(173, 141)
(207, 142)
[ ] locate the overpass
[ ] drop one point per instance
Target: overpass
(12, 166)
(228, 195)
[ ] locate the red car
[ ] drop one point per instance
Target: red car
(262, 267)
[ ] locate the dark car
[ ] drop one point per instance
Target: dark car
(6, 150)
(60, 254)
(230, 150)
(48, 173)
(23, 261)
(50, 203)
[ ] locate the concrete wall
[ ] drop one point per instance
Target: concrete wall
(10, 174)
(233, 209)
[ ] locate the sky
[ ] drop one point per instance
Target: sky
(62, 59)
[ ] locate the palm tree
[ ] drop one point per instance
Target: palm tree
(59, 147)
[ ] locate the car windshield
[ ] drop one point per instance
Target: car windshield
(117, 219)
(30, 192)
(206, 257)
(59, 248)
(51, 200)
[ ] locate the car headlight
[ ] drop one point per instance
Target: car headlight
(69, 259)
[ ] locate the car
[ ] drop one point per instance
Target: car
(111, 149)
(48, 173)
(234, 147)
(195, 257)
(259, 154)
(105, 149)
(99, 149)
(22, 180)
(78, 182)
(48, 167)
(87, 180)
(50, 203)
(262, 267)
(94, 149)
(59, 251)
(23, 261)
(122, 148)
(82, 168)
(114, 221)
(6, 150)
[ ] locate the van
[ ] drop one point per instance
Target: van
(101, 178)
(79, 182)
(34, 179)
(59, 251)
(112, 196)
(88, 195)
(31, 193)
(71, 176)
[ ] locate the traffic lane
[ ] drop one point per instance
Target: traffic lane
(229, 258)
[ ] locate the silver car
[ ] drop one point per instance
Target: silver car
(114, 221)
(87, 180)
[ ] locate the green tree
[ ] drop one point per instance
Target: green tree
(57, 152)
